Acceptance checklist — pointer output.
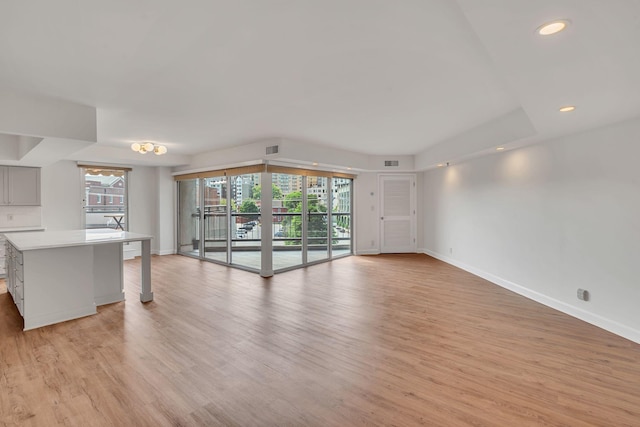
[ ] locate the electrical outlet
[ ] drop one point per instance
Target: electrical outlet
(450, 251)
(10, 217)
(583, 295)
(373, 243)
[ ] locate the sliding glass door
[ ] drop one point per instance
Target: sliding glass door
(216, 224)
(245, 227)
(341, 217)
(287, 221)
(317, 198)
(189, 213)
(220, 219)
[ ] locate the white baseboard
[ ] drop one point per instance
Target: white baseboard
(368, 252)
(132, 253)
(594, 319)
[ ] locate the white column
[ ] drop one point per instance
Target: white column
(266, 210)
(145, 267)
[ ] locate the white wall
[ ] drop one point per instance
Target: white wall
(143, 212)
(151, 203)
(548, 219)
(366, 214)
(166, 208)
(61, 195)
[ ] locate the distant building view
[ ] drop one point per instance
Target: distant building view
(105, 201)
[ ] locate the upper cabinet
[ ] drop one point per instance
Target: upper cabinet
(19, 186)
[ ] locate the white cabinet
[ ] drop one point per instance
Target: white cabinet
(15, 276)
(3, 259)
(19, 186)
(62, 275)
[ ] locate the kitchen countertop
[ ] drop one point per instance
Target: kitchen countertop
(26, 241)
(21, 229)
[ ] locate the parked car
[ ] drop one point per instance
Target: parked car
(278, 234)
(246, 226)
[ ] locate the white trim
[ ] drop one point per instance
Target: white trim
(594, 319)
(34, 322)
(128, 254)
(368, 252)
(109, 299)
(220, 167)
(166, 252)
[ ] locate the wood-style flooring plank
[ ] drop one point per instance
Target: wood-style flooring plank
(397, 340)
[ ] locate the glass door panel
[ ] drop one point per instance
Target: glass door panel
(341, 217)
(216, 224)
(287, 220)
(105, 199)
(189, 217)
(316, 216)
(245, 228)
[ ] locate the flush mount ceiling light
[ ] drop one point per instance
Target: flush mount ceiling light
(567, 108)
(149, 147)
(499, 148)
(552, 27)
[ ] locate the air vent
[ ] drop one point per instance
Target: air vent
(390, 163)
(272, 150)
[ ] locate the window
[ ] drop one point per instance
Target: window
(101, 185)
(224, 216)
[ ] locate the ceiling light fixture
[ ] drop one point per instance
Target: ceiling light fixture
(552, 27)
(149, 147)
(440, 165)
(499, 148)
(567, 108)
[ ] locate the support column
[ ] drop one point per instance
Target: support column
(145, 267)
(266, 221)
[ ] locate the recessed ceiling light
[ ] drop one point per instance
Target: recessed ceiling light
(552, 27)
(440, 165)
(315, 163)
(567, 108)
(499, 148)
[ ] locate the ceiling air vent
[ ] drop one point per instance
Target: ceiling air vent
(390, 163)
(272, 150)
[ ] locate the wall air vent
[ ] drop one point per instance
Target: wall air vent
(272, 150)
(391, 163)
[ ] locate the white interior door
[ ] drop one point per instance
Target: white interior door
(398, 213)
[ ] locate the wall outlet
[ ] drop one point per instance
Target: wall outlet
(583, 295)
(10, 217)
(450, 251)
(373, 243)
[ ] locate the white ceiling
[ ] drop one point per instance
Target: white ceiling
(374, 76)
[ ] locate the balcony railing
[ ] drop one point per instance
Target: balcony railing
(247, 230)
(98, 216)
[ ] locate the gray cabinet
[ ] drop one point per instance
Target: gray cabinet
(3, 256)
(19, 186)
(15, 276)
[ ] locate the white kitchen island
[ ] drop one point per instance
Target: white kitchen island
(54, 276)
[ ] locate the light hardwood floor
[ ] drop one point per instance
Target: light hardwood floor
(397, 340)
